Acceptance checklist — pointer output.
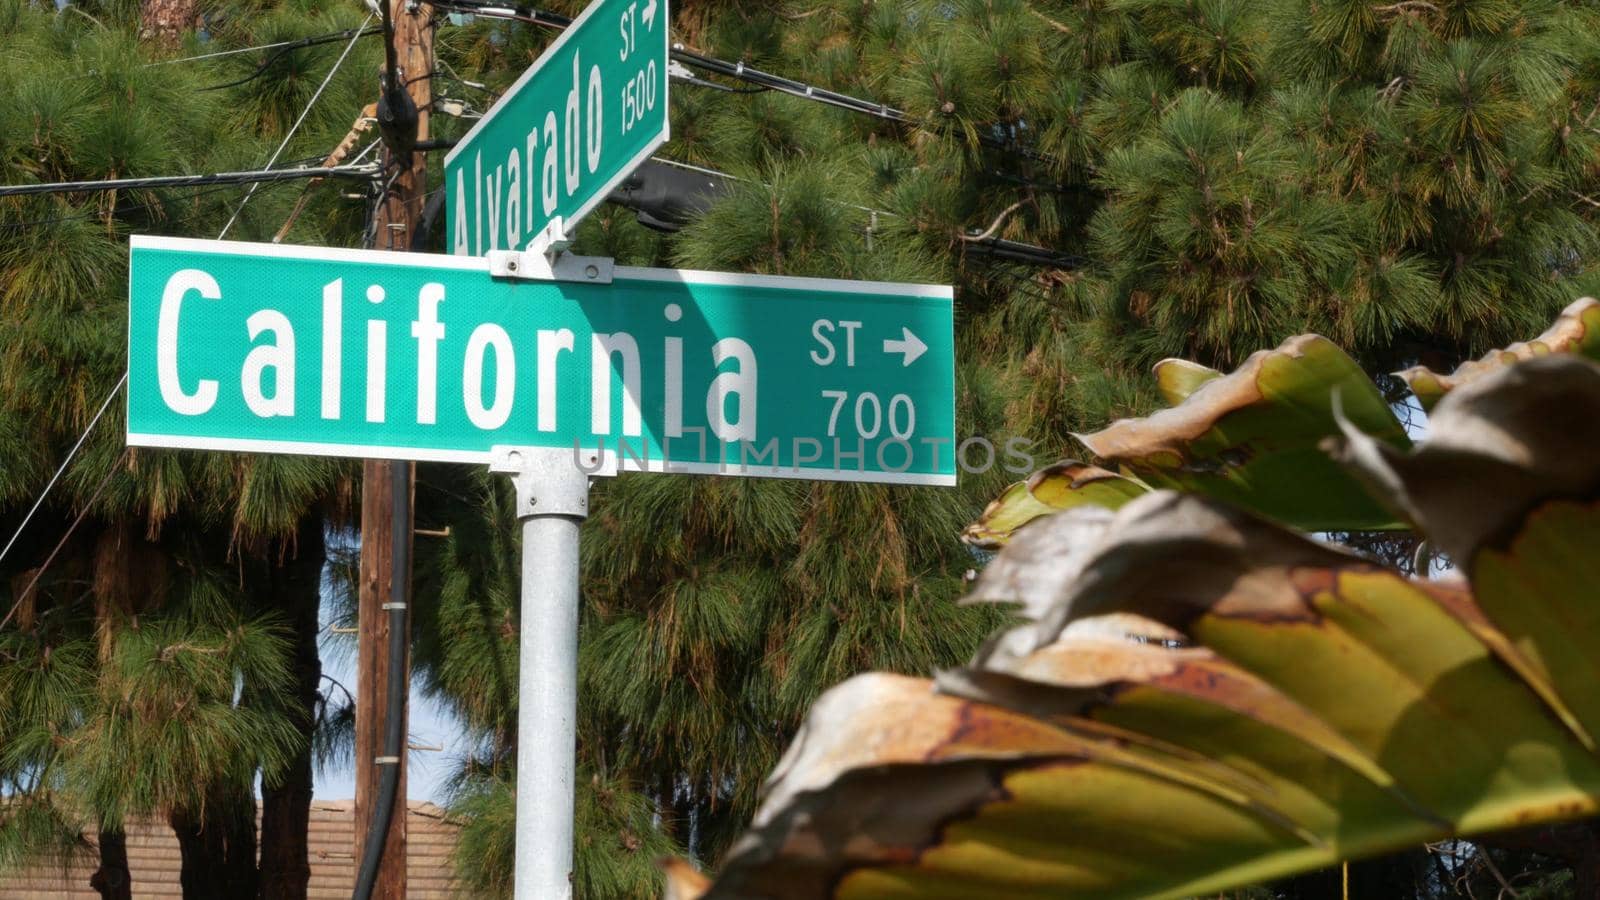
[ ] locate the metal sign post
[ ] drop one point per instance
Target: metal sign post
(552, 502)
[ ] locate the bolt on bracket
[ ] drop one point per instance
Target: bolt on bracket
(547, 259)
(551, 481)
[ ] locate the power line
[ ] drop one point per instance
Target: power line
(168, 181)
(527, 14)
(681, 73)
(285, 45)
(771, 82)
(39, 572)
(91, 214)
(736, 70)
(255, 179)
(390, 63)
(1014, 251)
(665, 207)
(290, 47)
(294, 44)
(63, 467)
(766, 81)
(691, 167)
(297, 122)
(883, 111)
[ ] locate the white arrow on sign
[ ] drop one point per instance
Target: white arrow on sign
(911, 345)
(649, 14)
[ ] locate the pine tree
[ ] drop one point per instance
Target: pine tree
(1414, 180)
(175, 631)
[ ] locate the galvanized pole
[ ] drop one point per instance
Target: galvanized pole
(552, 502)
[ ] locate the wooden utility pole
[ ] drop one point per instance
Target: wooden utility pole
(382, 481)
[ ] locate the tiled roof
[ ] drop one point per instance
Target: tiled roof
(154, 862)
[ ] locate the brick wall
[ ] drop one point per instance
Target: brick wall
(154, 862)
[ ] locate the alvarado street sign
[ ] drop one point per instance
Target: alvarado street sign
(365, 353)
(589, 110)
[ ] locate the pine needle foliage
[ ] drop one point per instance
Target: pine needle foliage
(616, 849)
(149, 670)
(1412, 180)
(1418, 181)
(137, 712)
(63, 258)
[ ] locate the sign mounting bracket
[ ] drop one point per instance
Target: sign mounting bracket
(546, 259)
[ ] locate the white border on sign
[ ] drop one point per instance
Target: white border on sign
(205, 247)
(305, 448)
(570, 223)
(481, 264)
(484, 457)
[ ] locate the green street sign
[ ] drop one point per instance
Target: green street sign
(588, 111)
(365, 353)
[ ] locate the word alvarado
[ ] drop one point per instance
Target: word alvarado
(558, 153)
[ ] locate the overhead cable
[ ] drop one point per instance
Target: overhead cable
(665, 203)
(771, 82)
(292, 45)
(254, 179)
(297, 122)
(288, 47)
(527, 14)
(398, 125)
(172, 181)
(39, 572)
(766, 81)
(63, 467)
(736, 70)
(1014, 251)
(120, 210)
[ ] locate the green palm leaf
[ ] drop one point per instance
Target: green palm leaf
(1199, 698)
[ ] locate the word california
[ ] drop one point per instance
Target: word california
(480, 363)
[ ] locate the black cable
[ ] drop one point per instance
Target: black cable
(234, 52)
(742, 72)
(398, 117)
(115, 184)
(398, 121)
(701, 82)
(91, 214)
(1030, 254)
(432, 212)
(711, 64)
(391, 64)
(833, 98)
(665, 201)
(766, 81)
(279, 53)
(527, 14)
(394, 721)
(380, 196)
